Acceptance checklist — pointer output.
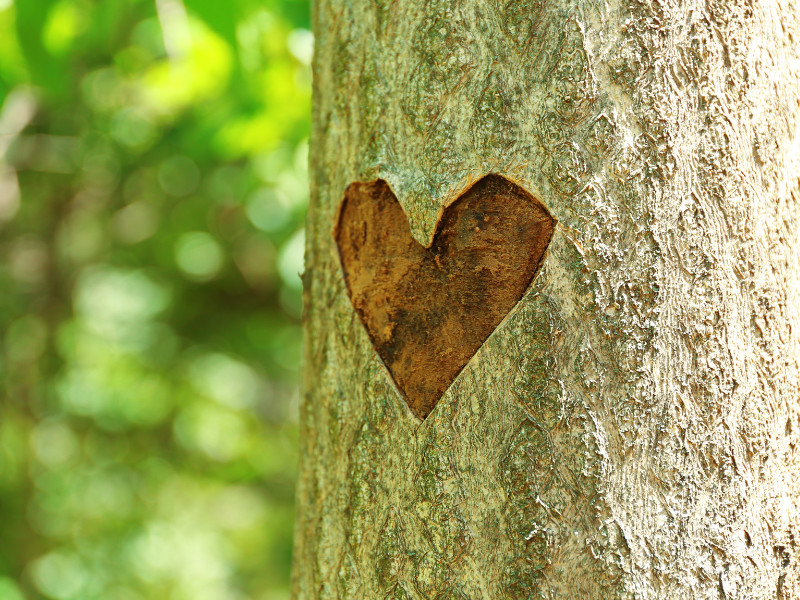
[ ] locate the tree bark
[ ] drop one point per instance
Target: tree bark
(630, 430)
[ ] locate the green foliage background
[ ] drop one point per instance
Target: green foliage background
(153, 189)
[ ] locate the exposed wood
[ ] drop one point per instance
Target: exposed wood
(428, 310)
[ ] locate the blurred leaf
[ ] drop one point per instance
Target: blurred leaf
(223, 17)
(65, 21)
(46, 70)
(12, 64)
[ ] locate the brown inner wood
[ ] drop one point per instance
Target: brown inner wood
(428, 310)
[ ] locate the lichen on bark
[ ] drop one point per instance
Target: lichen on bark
(630, 429)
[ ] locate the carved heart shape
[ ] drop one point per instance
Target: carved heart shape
(428, 310)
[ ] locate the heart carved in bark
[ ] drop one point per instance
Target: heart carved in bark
(428, 310)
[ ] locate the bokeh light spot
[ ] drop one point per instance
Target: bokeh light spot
(64, 22)
(268, 209)
(28, 260)
(115, 302)
(217, 432)
(53, 443)
(301, 45)
(292, 260)
(178, 176)
(132, 128)
(136, 222)
(239, 507)
(59, 575)
(198, 255)
(228, 381)
(255, 258)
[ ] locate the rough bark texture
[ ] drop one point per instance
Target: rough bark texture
(631, 429)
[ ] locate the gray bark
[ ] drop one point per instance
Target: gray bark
(631, 429)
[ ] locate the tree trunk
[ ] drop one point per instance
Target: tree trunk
(630, 429)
